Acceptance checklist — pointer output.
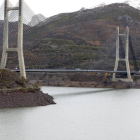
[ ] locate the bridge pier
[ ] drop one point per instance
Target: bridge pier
(5, 36)
(126, 59)
(19, 48)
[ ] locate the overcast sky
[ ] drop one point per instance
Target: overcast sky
(52, 7)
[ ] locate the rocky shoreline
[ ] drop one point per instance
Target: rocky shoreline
(14, 99)
(16, 92)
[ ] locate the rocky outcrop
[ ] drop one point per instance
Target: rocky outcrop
(125, 18)
(15, 91)
(36, 20)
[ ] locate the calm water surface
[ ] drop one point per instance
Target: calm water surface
(80, 114)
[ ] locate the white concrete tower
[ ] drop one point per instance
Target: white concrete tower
(19, 48)
(126, 59)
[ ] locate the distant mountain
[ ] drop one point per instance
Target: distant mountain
(72, 40)
(87, 27)
(90, 24)
(36, 19)
(13, 15)
(52, 19)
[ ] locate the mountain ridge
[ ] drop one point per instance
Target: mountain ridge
(85, 36)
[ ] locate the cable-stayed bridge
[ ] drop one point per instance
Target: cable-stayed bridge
(13, 15)
(41, 53)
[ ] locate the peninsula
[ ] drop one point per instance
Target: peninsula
(15, 92)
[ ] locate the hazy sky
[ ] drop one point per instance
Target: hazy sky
(53, 7)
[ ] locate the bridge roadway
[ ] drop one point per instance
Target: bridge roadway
(75, 70)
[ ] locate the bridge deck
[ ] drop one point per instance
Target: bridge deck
(74, 70)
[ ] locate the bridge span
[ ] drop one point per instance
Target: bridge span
(75, 70)
(91, 58)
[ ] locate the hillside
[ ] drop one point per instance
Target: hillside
(83, 39)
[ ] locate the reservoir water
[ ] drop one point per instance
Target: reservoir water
(80, 114)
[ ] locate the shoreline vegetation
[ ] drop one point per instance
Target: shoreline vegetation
(92, 80)
(15, 92)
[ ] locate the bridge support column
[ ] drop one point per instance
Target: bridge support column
(5, 36)
(20, 40)
(19, 48)
(126, 59)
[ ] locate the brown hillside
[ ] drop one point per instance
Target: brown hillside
(48, 44)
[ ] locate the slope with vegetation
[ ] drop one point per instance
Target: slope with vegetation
(84, 39)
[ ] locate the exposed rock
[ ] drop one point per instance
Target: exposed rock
(18, 98)
(36, 20)
(82, 9)
(125, 18)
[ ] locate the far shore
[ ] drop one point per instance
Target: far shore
(92, 80)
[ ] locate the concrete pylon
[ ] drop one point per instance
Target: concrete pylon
(126, 59)
(19, 48)
(5, 36)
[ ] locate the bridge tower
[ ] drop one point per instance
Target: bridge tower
(19, 48)
(126, 59)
